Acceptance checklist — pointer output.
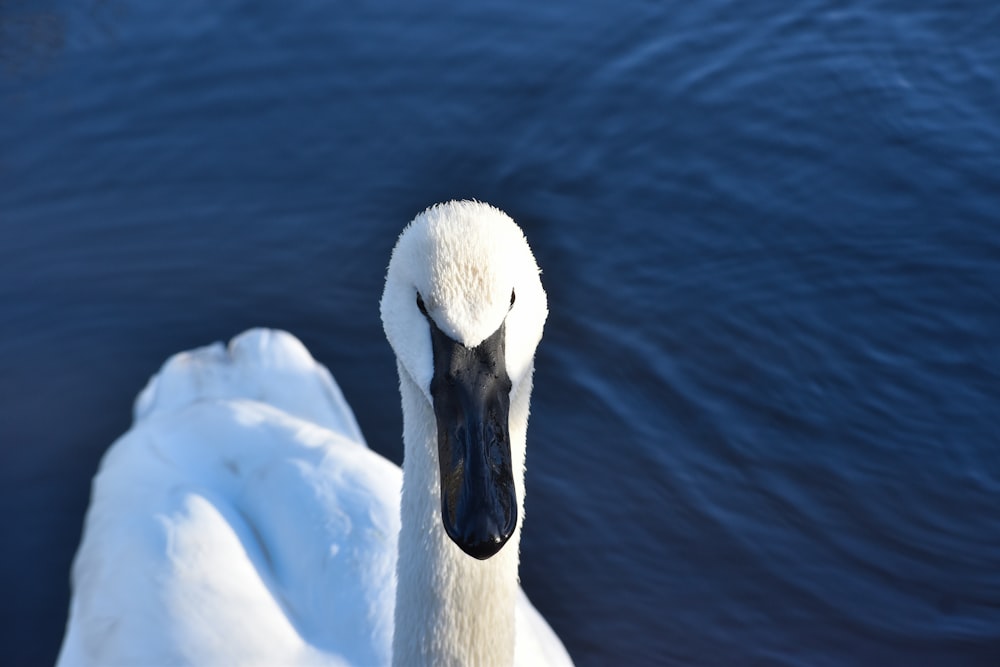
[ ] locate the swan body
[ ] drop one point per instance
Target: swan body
(242, 520)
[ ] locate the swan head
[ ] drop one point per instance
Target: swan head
(463, 309)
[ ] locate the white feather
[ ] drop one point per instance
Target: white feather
(242, 520)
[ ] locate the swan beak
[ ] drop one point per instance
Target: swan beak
(471, 394)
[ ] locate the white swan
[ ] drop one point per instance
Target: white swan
(243, 521)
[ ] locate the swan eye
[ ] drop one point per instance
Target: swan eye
(512, 298)
(420, 305)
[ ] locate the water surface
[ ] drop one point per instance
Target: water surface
(766, 409)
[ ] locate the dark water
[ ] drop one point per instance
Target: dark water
(767, 408)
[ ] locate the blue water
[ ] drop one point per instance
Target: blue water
(766, 425)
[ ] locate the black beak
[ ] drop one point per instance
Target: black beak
(471, 393)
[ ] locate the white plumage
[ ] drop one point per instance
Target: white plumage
(242, 520)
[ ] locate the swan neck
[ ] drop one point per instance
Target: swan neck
(451, 609)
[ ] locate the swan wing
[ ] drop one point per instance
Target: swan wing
(240, 521)
(265, 365)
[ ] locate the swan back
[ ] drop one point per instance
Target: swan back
(241, 520)
(265, 365)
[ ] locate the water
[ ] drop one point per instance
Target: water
(766, 411)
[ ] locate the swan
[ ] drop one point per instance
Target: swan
(242, 519)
